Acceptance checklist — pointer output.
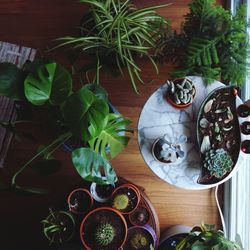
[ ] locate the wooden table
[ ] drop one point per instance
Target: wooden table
(34, 24)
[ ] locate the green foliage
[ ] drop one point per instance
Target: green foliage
(120, 201)
(104, 234)
(116, 29)
(207, 237)
(138, 241)
(50, 83)
(89, 165)
(56, 224)
(218, 162)
(213, 43)
(11, 81)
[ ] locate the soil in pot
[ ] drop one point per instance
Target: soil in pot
(243, 110)
(171, 242)
(139, 239)
(100, 221)
(104, 191)
(80, 201)
(140, 216)
(125, 199)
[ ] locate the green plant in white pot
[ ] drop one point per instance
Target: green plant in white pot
(114, 33)
(83, 115)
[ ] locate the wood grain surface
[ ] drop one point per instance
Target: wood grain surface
(34, 24)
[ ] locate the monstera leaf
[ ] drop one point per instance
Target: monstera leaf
(111, 136)
(51, 83)
(84, 112)
(11, 81)
(92, 167)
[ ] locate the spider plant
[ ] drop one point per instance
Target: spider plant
(116, 32)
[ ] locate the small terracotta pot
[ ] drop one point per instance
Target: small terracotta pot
(87, 193)
(136, 191)
(97, 197)
(245, 146)
(243, 110)
(178, 106)
(105, 209)
(134, 213)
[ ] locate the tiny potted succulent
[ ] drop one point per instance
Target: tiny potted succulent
(181, 92)
(103, 228)
(207, 237)
(140, 216)
(141, 238)
(125, 198)
(80, 201)
(58, 227)
(167, 149)
(101, 193)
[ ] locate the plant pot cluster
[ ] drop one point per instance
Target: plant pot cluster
(108, 217)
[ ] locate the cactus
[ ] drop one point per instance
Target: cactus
(120, 202)
(138, 241)
(104, 234)
(218, 162)
(182, 93)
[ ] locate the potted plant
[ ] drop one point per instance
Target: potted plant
(140, 216)
(80, 201)
(168, 150)
(207, 237)
(212, 43)
(141, 237)
(114, 33)
(103, 228)
(181, 92)
(125, 198)
(218, 134)
(58, 227)
(101, 193)
(243, 110)
(47, 87)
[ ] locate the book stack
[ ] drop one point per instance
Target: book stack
(19, 55)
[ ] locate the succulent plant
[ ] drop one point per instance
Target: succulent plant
(138, 241)
(120, 201)
(183, 92)
(104, 234)
(218, 162)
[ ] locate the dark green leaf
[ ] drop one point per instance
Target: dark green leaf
(92, 167)
(11, 81)
(99, 91)
(47, 167)
(51, 83)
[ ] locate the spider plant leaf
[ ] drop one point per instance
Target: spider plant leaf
(111, 136)
(52, 84)
(30, 190)
(89, 164)
(11, 81)
(83, 112)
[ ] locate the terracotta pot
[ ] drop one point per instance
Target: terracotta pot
(116, 213)
(72, 207)
(245, 146)
(243, 110)
(97, 197)
(134, 189)
(178, 106)
(131, 215)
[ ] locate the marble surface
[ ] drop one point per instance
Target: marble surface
(158, 117)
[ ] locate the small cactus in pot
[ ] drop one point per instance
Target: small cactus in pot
(138, 241)
(181, 92)
(120, 202)
(104, 234)
(218, 162)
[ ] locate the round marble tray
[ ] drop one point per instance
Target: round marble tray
(158, 117)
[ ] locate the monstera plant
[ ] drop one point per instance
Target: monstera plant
(83, 116)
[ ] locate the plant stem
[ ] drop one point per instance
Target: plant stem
(59, 141)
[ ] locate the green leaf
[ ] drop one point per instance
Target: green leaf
(11, 81)
(99, 91)
(92, 167)
(110, 137)
(30, 190)
(84, 112)
(51, 83)
(47, 167)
